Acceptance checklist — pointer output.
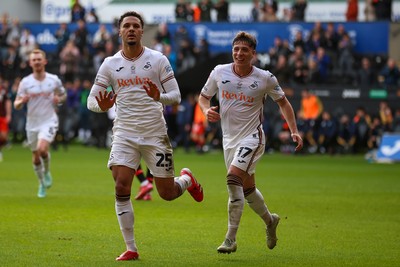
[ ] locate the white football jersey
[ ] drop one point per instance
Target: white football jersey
(136, 112)
(41, 109)
(241, 100)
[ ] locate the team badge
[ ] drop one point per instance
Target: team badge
(147, 66)
(133, 69)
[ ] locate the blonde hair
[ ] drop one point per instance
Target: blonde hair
(38, 51)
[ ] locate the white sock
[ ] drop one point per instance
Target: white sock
(183, 181)
(46, 163)
(145, 182)
(125, 215)
(38, 169)
(235, 209)
(256, 202)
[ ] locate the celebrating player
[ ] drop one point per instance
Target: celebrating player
(142, 81)
(42, 92)
(242, 90)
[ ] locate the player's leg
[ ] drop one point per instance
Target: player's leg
(124, 159)
(145, 186)
(157, 153)
(235, 179)
(123, 177)
(46, 135)
(32, 138)
(256, 202)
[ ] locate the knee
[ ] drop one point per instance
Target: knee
(166, 195)
(122, 188)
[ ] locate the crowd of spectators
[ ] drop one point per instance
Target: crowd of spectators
(319, 58)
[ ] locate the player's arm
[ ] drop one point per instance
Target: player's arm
(8, 109)
(211, 113)
(21, 98)
(99, 100)
(60, 94)
(288, 113)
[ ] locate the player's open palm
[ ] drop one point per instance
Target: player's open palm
(106, 100)
(152, 90)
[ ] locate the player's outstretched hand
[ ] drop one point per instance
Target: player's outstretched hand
(297, 139)
(106, 101)
(152, 90)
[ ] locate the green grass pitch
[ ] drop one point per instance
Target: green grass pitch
(335, 211)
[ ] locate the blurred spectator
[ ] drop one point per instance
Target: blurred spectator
(181, 12)
(62, 35)
(27, 43)
(201, 51)
(386, 116)
(346, 59)
(15, 31)
(80, 37)
(287, 15)
(269, 13)
(11, 62)
(374, 134)
(383, 9)
(389, 76)
(324, 64)
(100, 38)
(331, 41)
(352, 10)
(18, 117)
(396, 121)
(184, 48)
(369, 11)
(299, 41)
(163, 35)
(199, 126)
(299, 10)
(362, 122)
(313, 74)
(99, 57)
(300, 72)
(171, 55)
(205, 7)
(273, 4)
(84, 124)
(91, 16)
(222, 8)
(5, 115)
(366, 75)
(346, 137)
(256, 11)
(327, 131)
(70, 57)
(311, 110)
(282, 70)
(298, 54)
(77, 12)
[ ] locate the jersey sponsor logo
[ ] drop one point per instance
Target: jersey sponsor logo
(234, 96)
(119, 69)
(132, 82)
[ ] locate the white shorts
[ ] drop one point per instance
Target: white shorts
(47, 132)
(246, 154)
(156, 152)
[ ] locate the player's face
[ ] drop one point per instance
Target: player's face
(37, 61)
(131, 30)
(242, 53)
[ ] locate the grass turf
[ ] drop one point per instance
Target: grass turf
(335, 211)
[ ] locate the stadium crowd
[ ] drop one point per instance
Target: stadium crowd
(320, 58)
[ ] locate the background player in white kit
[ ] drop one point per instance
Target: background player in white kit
(142, 81)
(42, 92)
(242, 90)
